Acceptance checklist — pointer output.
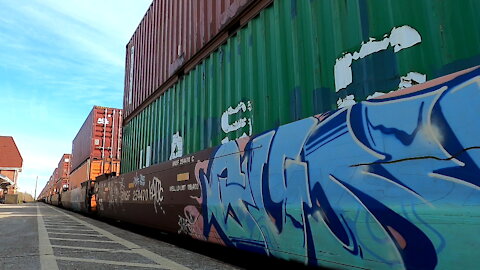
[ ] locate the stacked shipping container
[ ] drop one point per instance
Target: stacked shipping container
(95, 151)
(97, 146)
(51, 187)
(92, 168)
(63, 173)
(169, 36)
(296, 59)
(99, 137)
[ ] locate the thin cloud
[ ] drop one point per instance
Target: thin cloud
(57, 60)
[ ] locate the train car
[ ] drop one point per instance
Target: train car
(55, 199)
(359, 184)
(99, 138)
(96, 151)
(291, 60)
(63, 173)
(91, 169)
(80, 199)
(223, 146)
(388, 183)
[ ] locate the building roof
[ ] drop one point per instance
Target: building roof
(9, 155)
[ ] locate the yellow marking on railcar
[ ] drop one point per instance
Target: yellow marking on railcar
(183, 176)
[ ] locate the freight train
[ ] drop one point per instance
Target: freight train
(219, 143)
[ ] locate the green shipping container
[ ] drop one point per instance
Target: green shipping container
(300, 58)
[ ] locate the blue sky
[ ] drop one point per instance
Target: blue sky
(58, 58)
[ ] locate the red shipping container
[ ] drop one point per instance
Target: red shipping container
(63, 172)
(63, 168)
(171, 34)
(52, 181)
(99, 137)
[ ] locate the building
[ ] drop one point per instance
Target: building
(10, 165)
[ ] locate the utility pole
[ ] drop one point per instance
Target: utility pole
(35, 197)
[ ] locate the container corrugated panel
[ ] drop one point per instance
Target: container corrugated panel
(79, 175)
(63, 168)
(169, 35)
(99, 137)
(52, 181)
(62, 172)
(300, 58)
(90, 169)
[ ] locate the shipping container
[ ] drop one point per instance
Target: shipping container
(92, 168)
(99, 137)
(52, 182)
(300, 58)
(63, 172)
(388, 183)
(63, 168)
(170, 35)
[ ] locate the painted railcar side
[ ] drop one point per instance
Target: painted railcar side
(301, 58)
(389, 183)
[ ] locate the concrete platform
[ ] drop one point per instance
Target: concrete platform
(39, 236)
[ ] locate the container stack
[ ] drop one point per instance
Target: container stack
(63, 173)
(97, 146)
(173, 39)
(201, 73)
(51, 188)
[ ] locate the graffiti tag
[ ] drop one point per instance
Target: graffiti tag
(156, 196)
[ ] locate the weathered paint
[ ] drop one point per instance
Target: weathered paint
(300, 58)
(400, 38)
(76, 199)
(389, 183)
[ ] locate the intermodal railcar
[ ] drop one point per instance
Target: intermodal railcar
(388, 183)
(219, 142)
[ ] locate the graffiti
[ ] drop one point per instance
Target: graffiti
(124, 194)
(139, 180)
(177, 146)
(118, 193)
(228, 127)
(187, 223)
(156, 196)
(357, 181)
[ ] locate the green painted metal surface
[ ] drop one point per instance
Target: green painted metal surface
(300, 58)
